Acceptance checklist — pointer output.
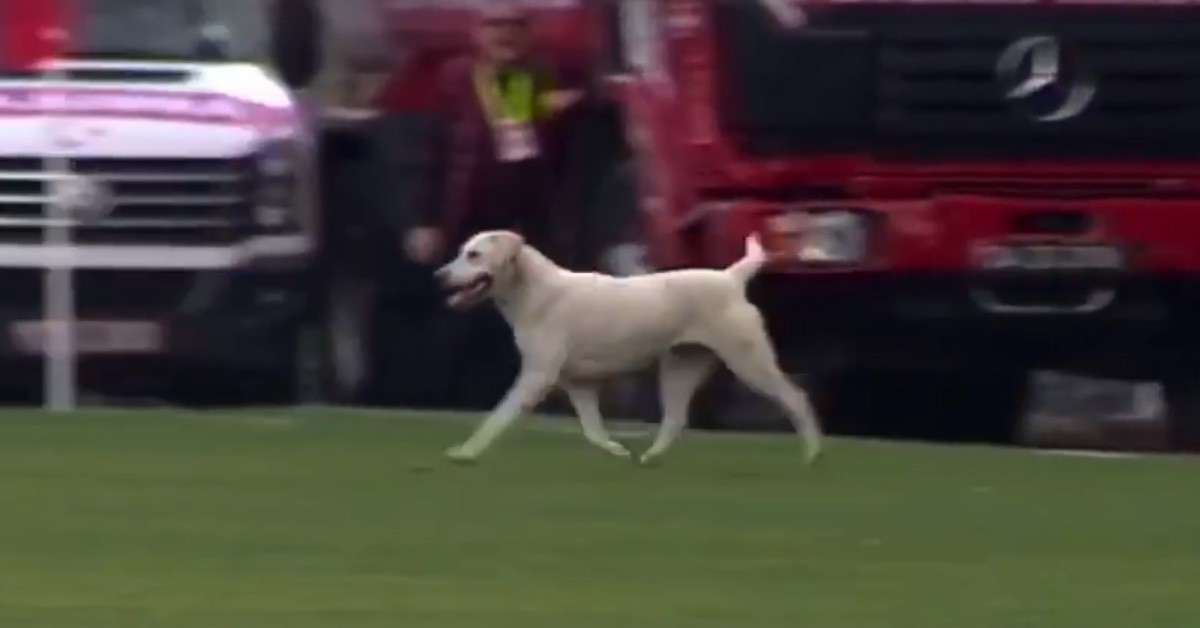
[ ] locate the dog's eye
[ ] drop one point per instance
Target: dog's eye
(472, 256)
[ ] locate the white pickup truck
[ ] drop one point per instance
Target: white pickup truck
(194, 247)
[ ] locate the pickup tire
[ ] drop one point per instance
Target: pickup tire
(1181, 389)
(283, 379)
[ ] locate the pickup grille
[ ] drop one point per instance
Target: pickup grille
(157, 201)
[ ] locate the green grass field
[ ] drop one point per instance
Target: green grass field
(314, 518)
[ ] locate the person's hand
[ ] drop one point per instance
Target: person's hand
(423, 244)
(560, 100)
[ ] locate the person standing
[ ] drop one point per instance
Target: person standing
(497, 160)
(500, 143)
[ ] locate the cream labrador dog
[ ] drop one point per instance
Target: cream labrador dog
(574, 330)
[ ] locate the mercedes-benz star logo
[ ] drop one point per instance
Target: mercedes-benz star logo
(1048, 84)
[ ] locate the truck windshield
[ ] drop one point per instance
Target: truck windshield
(200, 30)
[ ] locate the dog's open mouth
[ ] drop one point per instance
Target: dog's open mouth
(470, 293)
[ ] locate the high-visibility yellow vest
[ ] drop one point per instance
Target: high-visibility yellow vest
(516, 101)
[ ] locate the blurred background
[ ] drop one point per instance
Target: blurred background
(985, 213)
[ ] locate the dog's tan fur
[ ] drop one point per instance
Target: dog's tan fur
(575, 329)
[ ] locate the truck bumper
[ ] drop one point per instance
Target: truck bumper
(935, 319)
(201, 306)
(1160, 236)
(924, 293)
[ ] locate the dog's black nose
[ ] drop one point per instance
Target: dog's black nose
(441, 274)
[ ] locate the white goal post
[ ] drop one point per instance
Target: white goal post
(58, 290)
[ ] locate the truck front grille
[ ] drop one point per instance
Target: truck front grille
(157, 201)
(938, 93)
(922, 80)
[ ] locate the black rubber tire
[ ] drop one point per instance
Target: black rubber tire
(985, 407)
(1181, 390)
(215, 385)
(971, 406)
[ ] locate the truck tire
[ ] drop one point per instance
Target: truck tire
(295, 380)
(1182, 392)
(860, 403)
(974, 406)
(284, 381)
(988, 406)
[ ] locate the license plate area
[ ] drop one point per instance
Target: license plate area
(92, 337)
(1049, 258)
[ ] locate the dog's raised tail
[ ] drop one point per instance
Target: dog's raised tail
(753, 261)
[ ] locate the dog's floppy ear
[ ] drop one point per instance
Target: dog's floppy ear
(510, 244)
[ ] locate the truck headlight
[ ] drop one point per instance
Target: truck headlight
(834, 237)
(276, 180)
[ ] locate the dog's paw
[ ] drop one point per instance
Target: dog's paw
(812, 454)
(649, 460)
(617, 449)
(459, 455)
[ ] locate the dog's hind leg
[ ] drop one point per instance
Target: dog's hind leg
(680, 373)
(529, 389)
(586, 400)
(745, 348)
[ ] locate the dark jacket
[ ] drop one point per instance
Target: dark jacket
(466, 174)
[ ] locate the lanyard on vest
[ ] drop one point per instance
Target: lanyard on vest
(516, 102)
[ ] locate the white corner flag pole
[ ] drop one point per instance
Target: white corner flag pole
(58, 291)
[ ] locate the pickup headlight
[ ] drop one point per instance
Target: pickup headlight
(276, 182)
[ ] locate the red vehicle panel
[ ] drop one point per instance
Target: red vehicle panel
(1028, 167)
(902, 190)
(30, 32)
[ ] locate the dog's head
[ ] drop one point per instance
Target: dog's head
(486, 265)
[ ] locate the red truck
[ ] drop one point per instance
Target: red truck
(958, 192)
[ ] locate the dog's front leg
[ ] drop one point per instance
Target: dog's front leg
(529, 389)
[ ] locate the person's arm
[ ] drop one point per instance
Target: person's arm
(424, 238)
(441, 120)
(557, 101)
(560, 90)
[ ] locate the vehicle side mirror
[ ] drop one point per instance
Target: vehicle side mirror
(296, 41)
